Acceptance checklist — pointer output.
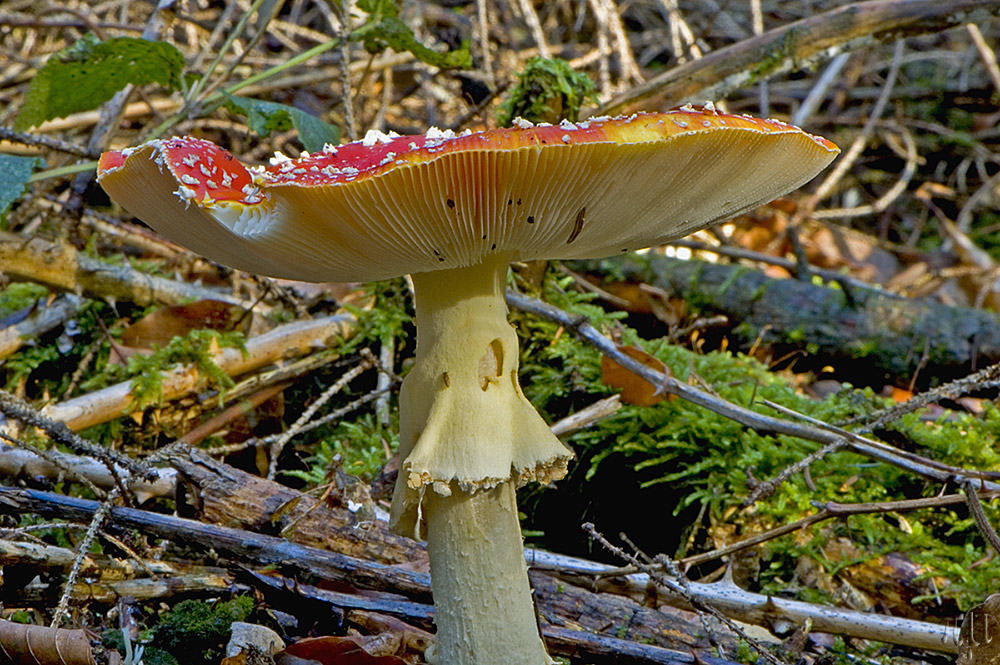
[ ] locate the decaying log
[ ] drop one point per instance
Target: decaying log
(221, 494)
(103, 579)
(558, 602)
(284, 342)
(898, 337)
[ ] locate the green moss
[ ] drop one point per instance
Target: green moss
(196, 631)
(547, 90)
(781, 52)
(20, 295)
(146, 370)
(359, 445)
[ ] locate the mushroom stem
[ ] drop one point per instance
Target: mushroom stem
(468, 438)
(482, 600)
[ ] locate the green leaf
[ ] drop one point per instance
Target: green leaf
(389, 31)
(379, 8)
(88, 73)
(14, 174)
(266, 117)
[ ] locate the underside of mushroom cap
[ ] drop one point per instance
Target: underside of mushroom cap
(390, 205)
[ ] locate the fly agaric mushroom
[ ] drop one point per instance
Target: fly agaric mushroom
(454, 211)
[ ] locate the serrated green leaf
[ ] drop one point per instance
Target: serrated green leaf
(14, 174)
(88, 73)
(266, 117)
(391, 32)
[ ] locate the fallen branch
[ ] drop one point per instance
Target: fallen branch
(23, 463)
(288, 341)
(41, 320)
(798, 45)
(760, 609)
(63, 268)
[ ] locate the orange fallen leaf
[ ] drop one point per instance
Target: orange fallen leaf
(635, 389)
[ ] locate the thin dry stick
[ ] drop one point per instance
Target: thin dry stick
(279, 444)
(735, 252)
(851, 155)
(262, 23)
(346, 8)
(827, 511)
(630, 72)
(679, 588)
(62, 608)
(534, 26)
(978, 515)
(818, 92)
(7, 134)
(386, 360)
(319, 422)
(986, 54)
(985, 378)
(15, 408)
(766, 488)
(757, 18)
(681, 38)
(483, 37)
(221, 24)
(894, 192)
(603, 48)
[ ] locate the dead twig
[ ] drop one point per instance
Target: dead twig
(17, 409)
(972, 499)
(279, 443)
(679, 585)
(985, 379)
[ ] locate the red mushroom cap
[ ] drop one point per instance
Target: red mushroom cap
(389, 205)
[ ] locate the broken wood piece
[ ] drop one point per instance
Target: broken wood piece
(291, 340)
(23, 643)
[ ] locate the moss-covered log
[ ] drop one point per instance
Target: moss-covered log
(877, 337)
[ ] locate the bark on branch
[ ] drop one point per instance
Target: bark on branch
(797, 45)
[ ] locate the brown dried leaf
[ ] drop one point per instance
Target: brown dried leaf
(635, 389)
(158, 328)
(331, 650)
(22, 644)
